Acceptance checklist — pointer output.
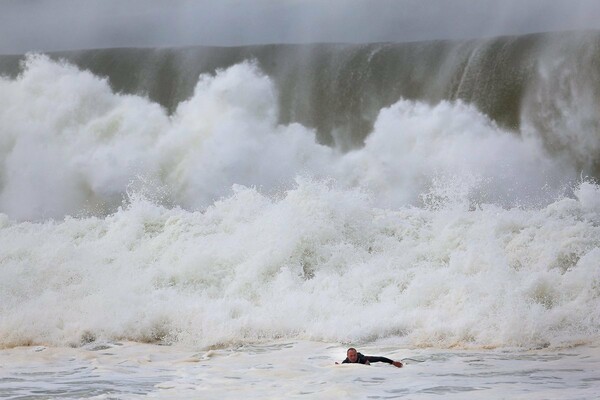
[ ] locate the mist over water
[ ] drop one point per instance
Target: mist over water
(438, 203)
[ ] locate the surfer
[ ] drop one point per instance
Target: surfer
(353, 356)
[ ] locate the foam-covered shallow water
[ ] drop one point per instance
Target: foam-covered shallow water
(292, 369)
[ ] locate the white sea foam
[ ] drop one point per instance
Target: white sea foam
(216, 225)
(315, 263)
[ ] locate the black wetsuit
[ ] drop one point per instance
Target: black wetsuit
(362, 359)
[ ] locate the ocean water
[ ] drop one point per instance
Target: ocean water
(292, 369)
(235, 243)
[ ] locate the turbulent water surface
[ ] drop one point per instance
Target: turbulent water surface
(434, 199)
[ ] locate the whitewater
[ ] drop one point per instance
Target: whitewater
(209, 249)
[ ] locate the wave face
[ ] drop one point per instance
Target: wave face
(432, 193)
(546, 81)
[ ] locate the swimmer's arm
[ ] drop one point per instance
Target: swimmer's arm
(385, 360)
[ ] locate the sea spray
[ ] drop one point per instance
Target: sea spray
(70, 146)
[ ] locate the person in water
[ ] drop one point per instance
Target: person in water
(353, 356)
